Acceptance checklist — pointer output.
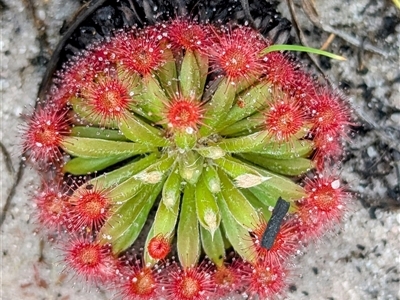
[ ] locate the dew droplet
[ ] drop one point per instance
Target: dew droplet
(189, 130)
(335, 184)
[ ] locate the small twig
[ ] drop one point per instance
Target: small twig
(11, 194)
(361, 68)
(312, 14)
(7, 159)
(44, 46)
(397, 167)
(40, 27)
(380, 131)
(246, 9)
(355, 41)
(11, 170)
(328, 41)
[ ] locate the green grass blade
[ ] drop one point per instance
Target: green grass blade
(300, 49)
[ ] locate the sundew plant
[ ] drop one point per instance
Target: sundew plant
(163, 151)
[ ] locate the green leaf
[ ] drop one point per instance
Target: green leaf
(206, 206)
(171, 192)
(188, 236)
(239, 207)
(290, 167)
(211, 179)
(290, 149)
(123, 173)
(262, 205)
(153, 98)
(97, 148)
(167, 74)
(97, 133)
(126, 190)
(164, 225)
(213, 246)
(202, 63)
(279, 186)
(154, 173)
(139, 131)
(264, 196)
(245, 126)
(250, 101)
(185, 140)
(234, 167)
(166, 218)
(212, 152)
(245, 84)
(125, 224)
(217, 109)
(130, 79)
(237, 235)
(190, 78)
(276, 185)
(81, 165)
(85, 112)
(227, 243)
(244, 143)
(267, 201)
(190, 166)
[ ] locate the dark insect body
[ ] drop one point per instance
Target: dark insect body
(278, 214)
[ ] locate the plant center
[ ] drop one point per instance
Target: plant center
(190, 287)
(89, 256)
(143, 283)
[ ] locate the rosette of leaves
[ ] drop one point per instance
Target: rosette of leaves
(197, 122)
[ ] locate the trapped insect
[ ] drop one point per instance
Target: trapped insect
(279, 212)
